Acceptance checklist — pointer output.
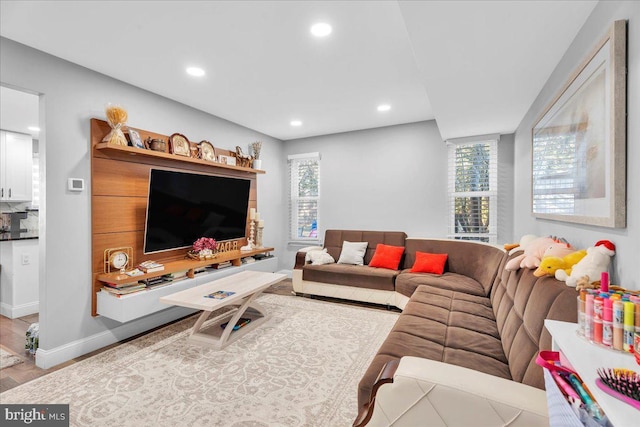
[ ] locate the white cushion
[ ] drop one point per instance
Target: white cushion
(450, 395)
(320, 257)
(353, 253)
(308, 251)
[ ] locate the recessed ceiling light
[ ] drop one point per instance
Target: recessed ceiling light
(195, 71)
(384, 107)
(296, 123)
(34, 128)
(321, 29)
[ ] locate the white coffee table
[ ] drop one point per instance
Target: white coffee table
(247, 285)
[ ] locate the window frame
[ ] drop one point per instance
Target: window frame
(491, 194)
(294, 199)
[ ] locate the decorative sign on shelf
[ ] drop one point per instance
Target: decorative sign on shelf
(227, 246)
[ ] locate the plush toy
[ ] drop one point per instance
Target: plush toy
(550, 264)
(592, 265)
(558, 249)
(524, 241)
(535, 250)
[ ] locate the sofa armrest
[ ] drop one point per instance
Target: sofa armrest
(424, 389)
(385, 377)
(302, 253)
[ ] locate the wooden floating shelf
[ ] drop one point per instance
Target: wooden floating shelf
(123, 152)
(188, 265)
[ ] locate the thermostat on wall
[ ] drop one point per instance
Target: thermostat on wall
(75, 184)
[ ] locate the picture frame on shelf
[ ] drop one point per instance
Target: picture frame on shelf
(136, 140)
(227, 160)
(579, 142)
(179, 145)
(207, 151)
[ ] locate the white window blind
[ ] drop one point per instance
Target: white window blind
(473, 188)
(304, 196)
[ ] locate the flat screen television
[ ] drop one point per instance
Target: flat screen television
(182, 207)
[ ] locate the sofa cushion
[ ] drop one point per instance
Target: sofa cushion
(429, 263)
(361, 276)
(521, 302)
(446, 326)
(407, 283)
(353, 253)
(479, 261)
(387, 256)
(333, 240)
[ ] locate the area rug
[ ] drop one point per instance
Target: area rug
(300, 368)
(7, 359)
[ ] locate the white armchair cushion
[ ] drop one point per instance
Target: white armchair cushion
(426, 392)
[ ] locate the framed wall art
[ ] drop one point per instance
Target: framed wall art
(579, 142)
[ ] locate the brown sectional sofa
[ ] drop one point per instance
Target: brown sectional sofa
(476, 315)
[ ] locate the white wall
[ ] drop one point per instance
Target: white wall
(71, 96)
(379, 179)
(386, 178)
(505, 189)
(627, 241)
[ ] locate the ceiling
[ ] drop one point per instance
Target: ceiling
(475, 67)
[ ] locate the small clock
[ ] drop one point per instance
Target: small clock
(207, 152)
(118, 259)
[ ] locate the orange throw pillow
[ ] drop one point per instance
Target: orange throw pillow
(429, 263)
(387, 256)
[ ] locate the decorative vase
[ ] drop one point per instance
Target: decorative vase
(257, 163)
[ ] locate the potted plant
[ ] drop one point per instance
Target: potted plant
(255, 147)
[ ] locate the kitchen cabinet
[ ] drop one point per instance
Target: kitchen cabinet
(16, 160)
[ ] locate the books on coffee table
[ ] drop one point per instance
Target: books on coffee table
(219, 294)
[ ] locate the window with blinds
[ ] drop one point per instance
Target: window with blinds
(304, 196)
(473, 188)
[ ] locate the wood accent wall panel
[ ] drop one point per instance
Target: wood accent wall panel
(119, 214)
(116, 178)
(119, 190)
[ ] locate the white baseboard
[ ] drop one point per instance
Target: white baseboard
(46, 359)
(13, 312)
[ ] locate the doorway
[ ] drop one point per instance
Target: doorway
(20, 221)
